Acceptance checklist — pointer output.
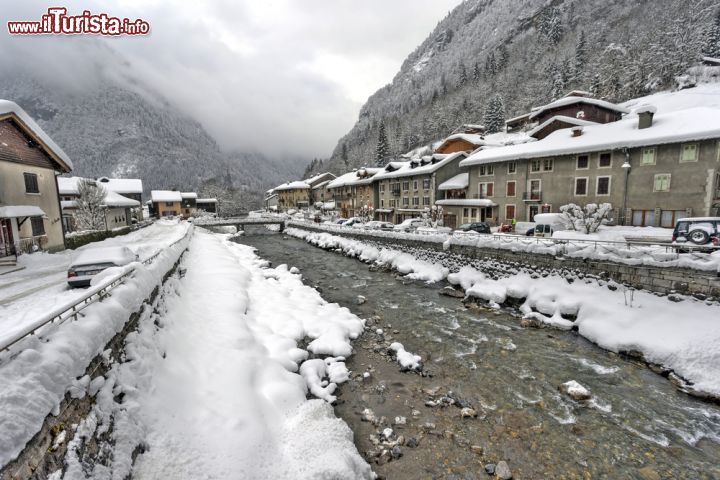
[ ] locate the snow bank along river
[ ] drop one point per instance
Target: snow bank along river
(635, 425)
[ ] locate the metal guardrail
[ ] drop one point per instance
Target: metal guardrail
(71, 309)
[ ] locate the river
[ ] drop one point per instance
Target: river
(637, 426)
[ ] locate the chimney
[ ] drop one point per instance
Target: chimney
(576, 131)
(645, 116)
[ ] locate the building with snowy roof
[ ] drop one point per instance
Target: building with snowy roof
(165, 203)
(652, 167)
(119, 210)
(355, 191)
(407, 189)
(299, 194)
(30, 161)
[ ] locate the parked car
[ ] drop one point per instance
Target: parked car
(478, 227)
(91, 261)
(700, 231)
(408, 225)
(352, 221)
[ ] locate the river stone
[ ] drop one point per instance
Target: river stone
(575, 391)
(468, 413)
(360, 300)
(477, 449)
(532, 322)
(412, 442)
(452, 292)
(490, 468)
(502, 471)
(648, 473)
(396, 452)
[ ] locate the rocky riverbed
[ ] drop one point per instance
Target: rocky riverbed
(494, 399)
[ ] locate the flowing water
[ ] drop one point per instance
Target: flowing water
(636, 426)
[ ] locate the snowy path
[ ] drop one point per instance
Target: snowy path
(224, 401)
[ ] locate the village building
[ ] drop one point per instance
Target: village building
(165, 203)
(409, 189)
(189, 204)
(354, 192)
(209, 205)
(457, 206)
(271, 200)
(652, 168)
(299, 194)
(322, 196)
(118, 209)
(30, 213)
(127, 187)
(466, 138)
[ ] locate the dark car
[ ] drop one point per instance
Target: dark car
(479, 227)
(698, 231)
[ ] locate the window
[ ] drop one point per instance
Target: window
(509, 212)
(643, 218)
(512, 168)
(535, 189)
(689, 153)
(426, 201)
(392, 203)
(548, 164)
(603, 186)
(415, 185)
(38, 226)
(169, 204)
(545, 208)
(535, 165)
(406, 201)
(486, 189)
(426, 184)
(405, 186)
(382, 202)
(510, 189)
(605, 160)
(648, 156)
(31, 183)
(581, 184)
(416, 201)
(382, 188)
(583, 162)
(662, 182)
(486, 170)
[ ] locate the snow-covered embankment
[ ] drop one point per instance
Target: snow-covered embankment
(681, 336)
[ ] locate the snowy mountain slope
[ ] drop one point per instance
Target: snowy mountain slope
(116, 129)
(527, 52)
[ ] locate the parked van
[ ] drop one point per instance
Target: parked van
(698, 231)
(548, 223)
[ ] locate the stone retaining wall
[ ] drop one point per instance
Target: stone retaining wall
(665, 280)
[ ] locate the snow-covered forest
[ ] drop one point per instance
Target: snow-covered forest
(494, 59)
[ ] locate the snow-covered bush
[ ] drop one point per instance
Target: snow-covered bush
(587, 218)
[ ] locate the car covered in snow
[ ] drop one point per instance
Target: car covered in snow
(476, 227)
(91, 261)
(352, 221)
(408, 225)
(699, 231)
(379, 225)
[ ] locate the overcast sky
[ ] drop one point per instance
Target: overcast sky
(297, 69)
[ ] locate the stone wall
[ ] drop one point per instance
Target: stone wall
(663, 280)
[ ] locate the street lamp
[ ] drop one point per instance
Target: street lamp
(625, 166)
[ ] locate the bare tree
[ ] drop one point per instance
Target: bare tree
(587, 218)
(90, 212)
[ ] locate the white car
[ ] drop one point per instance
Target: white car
(91, 261)
(379, 225)
(408, 225)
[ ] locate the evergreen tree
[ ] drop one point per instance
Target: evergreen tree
(581, 55)
(490, 65)
(382, 152)
(596, 85)
(495, 115)
(501, 59)
(462, 76)
(476, 73)
(557, 86)
(711, 48)
(550, 25)
(344, 153)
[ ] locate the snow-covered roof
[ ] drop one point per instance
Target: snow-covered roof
(406, 169)
(68, 185)
(8, 107)
(681, 126)
(474, 139)
(458, 182)
(572, 100)
(16, 211)
(519, 117)
(645, 109)
(165, 196)
(113, 199)
(466, 202)
(321, 184)
(207, 200)
(579, 93)
(298, 184)
(188, 194)
(312, 180)
(560, 118)
(122, 185)
(356, 178)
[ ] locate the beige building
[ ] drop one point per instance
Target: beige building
(30, 214)
(407, 189)
(652, 168)
(354, 191)
(166, 203)
(299, 194)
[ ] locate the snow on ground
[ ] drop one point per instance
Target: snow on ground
(619, 234)
(42, 285)
(628, 254)
(36, 373)
(704, 95)
(219, 390)
(683, 336)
